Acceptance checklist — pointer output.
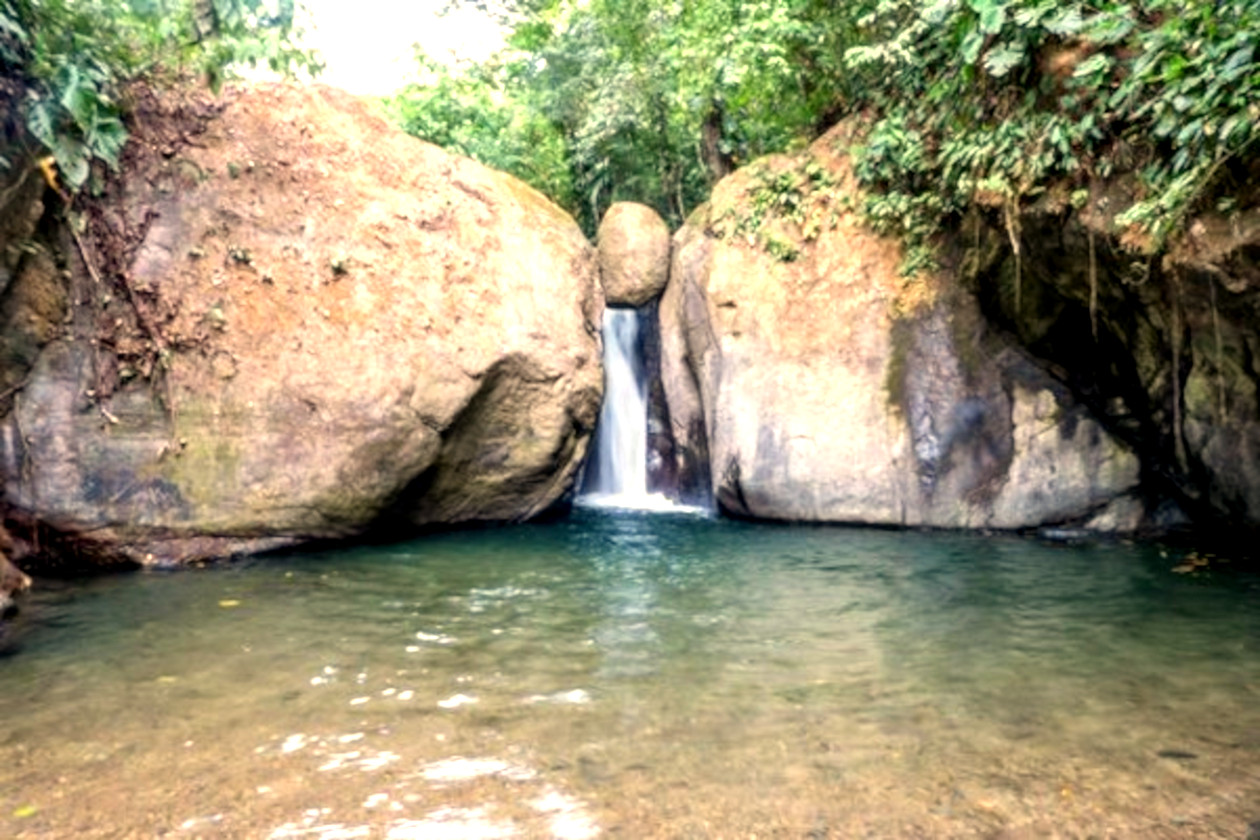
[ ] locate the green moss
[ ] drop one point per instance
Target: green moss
(966, 327)
(900, 334)
(206, 462)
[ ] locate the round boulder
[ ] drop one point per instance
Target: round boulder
(342, 330)
(633, 254)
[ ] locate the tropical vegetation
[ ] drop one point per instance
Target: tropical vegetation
(962, 104)
(65, 64)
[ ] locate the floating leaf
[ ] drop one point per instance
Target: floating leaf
(229, 603)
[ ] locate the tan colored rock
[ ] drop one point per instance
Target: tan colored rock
(633, 254)
(830, 389)
(363, 331)
(13, 580)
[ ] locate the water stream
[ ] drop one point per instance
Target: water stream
(643, 676)
(617, 474)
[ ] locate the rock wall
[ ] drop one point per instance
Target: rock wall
(1169, 360)
(302, 326)
(826, 388)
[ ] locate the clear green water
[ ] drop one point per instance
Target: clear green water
(642, 676)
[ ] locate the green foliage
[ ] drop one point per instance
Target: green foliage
(970, 104)
(783, 207)
(74, 58)
(988, 102)
(474, 111)
(655, 99)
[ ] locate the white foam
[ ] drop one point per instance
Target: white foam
(453, 824)
(654, 502)
(456, 701)
(460, 769)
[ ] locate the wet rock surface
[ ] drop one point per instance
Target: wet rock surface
(325, 327)
(829, 389)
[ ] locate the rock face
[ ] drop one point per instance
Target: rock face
(633, 254)
(826, 388)
(327, 326)
(1170, 360)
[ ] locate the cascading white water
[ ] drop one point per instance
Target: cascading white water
(621, 461)
(617, 475)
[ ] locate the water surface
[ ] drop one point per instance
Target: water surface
(642, 676)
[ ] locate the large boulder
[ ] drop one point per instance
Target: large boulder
(633, 246)
(302, 325)
(811, 381)
(1168, 356)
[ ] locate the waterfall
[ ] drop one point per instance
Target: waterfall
(617, 472)
(620, 464)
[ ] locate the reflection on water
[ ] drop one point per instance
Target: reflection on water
(642, 675)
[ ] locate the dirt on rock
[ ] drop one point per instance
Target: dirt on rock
(290, 321)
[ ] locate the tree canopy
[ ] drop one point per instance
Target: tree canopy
(963, 103)
(651, 100)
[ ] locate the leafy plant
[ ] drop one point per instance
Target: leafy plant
(782, 208)
(984, 103)
(74, 58)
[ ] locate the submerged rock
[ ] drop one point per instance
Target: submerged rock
(633, 254)
(825, 387)
(13, 580)
(327, 326)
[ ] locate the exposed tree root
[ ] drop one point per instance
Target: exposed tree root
(1011, 213)
(1179, 446)
(1220, 353)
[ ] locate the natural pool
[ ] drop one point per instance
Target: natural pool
(642, 676)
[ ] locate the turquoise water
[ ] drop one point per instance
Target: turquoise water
(622, 675)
